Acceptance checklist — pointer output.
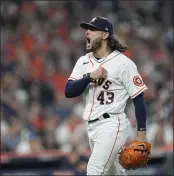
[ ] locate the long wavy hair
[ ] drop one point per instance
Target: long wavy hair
(115, 44)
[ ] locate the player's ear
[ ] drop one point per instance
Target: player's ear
(105, 35)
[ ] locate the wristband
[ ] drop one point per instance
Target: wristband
(90, 79)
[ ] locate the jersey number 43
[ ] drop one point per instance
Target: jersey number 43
(105, 97)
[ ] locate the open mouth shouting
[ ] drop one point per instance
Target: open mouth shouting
(88, 42)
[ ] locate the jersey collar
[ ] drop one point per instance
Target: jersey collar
(105, 58)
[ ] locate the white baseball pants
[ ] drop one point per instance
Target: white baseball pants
(106, 137)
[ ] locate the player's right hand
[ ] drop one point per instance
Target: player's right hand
(99, 73)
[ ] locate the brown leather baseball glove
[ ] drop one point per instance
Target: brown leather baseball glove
(136, 155)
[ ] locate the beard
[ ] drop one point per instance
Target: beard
(95, 45)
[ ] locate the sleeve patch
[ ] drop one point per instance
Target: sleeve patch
(137, 80)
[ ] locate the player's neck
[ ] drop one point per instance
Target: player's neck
(101, 53)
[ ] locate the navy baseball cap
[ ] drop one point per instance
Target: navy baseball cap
(100, 23)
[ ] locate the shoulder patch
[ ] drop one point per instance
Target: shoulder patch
(137, 80)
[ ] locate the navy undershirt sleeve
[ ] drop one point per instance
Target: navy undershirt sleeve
(75, 88)
(140, 112)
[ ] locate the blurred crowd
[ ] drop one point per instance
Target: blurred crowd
(40, 43)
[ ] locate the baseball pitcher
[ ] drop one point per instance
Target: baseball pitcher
(107, 78)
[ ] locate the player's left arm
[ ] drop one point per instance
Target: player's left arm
(141, 116)
(135, 87)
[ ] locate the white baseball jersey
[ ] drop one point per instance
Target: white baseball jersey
(108, 95)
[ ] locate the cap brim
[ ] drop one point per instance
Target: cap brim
(88, 25)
